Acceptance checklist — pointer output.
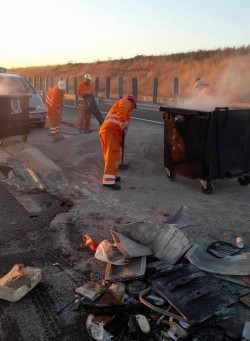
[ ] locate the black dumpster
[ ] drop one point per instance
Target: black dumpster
(14, 115)
(207, 145)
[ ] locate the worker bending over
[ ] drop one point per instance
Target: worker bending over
(53, 105)
(115, 124)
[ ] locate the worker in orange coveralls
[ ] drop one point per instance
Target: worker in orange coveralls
(114, 126)
(53, 105)
(201, 87)
(87, 105)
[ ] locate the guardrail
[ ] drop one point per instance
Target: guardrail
(110, 101)
(44, 83)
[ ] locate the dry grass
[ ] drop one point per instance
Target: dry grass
(227, 70)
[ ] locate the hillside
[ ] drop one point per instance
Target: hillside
(227, 70)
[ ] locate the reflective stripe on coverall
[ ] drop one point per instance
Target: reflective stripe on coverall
(53, 102)
(111, 138)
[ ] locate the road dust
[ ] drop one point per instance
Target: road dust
(231, 88)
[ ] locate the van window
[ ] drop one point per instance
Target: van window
(10, 85)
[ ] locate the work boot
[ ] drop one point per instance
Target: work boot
(112, 186)
(58, 138)
(118, 178)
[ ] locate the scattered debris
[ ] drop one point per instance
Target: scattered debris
(91, 290)
(222, 249)
(18, 282)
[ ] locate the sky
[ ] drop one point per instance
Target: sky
(51, 32)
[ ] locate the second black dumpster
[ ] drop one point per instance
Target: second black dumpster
(14, 115)
(207, 145)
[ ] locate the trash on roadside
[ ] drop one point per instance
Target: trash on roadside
(230, 265)
(91, 290)
(133, 270)
(222, 249)
(158, 284)
(191, 292)
(18, 282)
(89, 242)
(166, 242)
(97, 330)
(180, 219)
(239, 242)
(107, 252)
(246, 330)
(135, 287)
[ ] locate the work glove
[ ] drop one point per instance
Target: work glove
(124, 127)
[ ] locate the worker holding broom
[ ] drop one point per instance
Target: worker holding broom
(112, 132)
(87, 105)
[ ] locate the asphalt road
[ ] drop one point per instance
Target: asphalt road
(51, 241)
(145, 111)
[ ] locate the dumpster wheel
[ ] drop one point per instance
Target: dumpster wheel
(170, 175)
(244, 180)
(207, 187)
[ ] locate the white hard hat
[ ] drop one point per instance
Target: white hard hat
(87, 76)
(61, 85)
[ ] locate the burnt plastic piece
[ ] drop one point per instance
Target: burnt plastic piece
(133, 327)
(222, 249)
(103, 309)
(116, 324)
(194, 295)
(134, 287)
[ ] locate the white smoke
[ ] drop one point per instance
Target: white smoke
(232, 88)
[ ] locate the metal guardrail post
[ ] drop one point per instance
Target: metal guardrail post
(176, 87)
(97, 86)
(155, 89)
(108, 87)
(34, 82)
(120, 87)
(40, 83)
(75, 91)
(67, 85)
(134, 87)
(46, 83)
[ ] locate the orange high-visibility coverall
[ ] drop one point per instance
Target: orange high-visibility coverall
(53, 103)
(111, 137)
(83, 119)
